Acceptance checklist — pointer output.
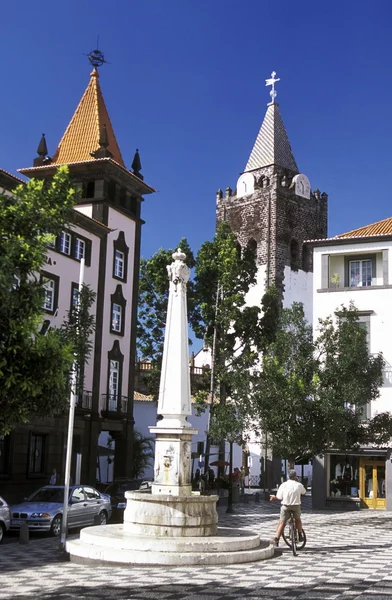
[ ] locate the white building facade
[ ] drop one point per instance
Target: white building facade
(357, 267)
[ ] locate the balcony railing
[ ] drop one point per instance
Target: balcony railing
(114, 404)
(147, 366)
(84, 402)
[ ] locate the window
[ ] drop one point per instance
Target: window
(114, 381)
(116, 317)
(78, 495)
(119, 264)
(74, 295)
(37, 453)
(120, 258)
(91, 494)
(4, 454)
(118, 304)
(360, 273)
(343, 476)
(65, 243)
(49, 297)
(80, 249)
(294, 255)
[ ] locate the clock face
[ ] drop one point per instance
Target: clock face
(302, 186)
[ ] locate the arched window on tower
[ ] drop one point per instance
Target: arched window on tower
(239, 249)
(251, 249)
(306, 257)
(294, 255)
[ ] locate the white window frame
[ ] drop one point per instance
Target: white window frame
(361, 263)
(114, 384)
(80, 249)
(50, 292)
(119, 263)
(116, 317)
(65, 243)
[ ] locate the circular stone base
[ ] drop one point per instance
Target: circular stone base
(110, 543)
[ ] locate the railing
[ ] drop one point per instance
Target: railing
(115, 404)
(85, 401)
(148, 366)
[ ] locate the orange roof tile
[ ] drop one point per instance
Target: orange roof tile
(383, 227)
(83, 132)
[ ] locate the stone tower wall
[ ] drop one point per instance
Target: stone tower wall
(275, 217)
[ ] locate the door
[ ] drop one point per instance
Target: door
(372, 484)
(94, 502)
(77, 511)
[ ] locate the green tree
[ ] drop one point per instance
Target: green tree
(78, 328)
(152, 308)
(143, 452)
(34, 368)
(310, 395)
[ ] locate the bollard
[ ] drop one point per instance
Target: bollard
(97, 520)
(24, 534)
(257, 497)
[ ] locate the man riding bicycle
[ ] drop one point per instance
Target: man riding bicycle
(289, 493)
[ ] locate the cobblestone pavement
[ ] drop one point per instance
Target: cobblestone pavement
(348, 555)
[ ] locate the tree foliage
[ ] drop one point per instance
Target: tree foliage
(152, 308)
(78, 328)
(33, 368)
(143, 452)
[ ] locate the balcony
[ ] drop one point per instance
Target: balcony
(114, 406)
(84, 402)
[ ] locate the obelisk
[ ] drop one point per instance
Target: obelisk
(172, 466)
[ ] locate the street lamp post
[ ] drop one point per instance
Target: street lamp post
(71, 418)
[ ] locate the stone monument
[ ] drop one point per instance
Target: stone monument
(172, 525)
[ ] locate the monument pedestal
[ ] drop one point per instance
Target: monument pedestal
(161, 515)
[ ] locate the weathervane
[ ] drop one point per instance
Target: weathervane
(96, 58)
(272, 82)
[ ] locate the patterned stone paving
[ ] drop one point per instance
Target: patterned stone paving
(348, 556)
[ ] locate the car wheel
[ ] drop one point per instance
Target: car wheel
(55, 528)
(103, 518)
(2, 532)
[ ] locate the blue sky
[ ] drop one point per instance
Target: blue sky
(186, 85)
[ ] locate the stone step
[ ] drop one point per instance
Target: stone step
(81, 552)
(227, 539)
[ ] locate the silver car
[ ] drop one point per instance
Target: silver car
(43, 510)
(5, 518)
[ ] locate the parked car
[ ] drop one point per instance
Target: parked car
(5, 518)
(43, 510)
(116, 491)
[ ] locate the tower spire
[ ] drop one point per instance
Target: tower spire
(88, 128)
(272, 146)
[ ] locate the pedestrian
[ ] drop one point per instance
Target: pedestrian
(235, 478)
(53, 477)
(242, 479)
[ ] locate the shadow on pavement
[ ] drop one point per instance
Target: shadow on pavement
(212, 590)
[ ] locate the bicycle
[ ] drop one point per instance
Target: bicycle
(292, 537)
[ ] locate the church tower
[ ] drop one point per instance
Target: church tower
(274, 210)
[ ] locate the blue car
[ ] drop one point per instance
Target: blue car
(43, 510)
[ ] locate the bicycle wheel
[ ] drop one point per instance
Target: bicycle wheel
(286, 535)
(293, 537)
(301, 544)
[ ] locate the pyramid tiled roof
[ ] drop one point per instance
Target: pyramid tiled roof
(84, 130)
(272, 146)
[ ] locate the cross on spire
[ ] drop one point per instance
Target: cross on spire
(272, 82)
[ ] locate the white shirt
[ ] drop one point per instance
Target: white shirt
(290, 492)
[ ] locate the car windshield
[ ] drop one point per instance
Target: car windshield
(48, 495)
